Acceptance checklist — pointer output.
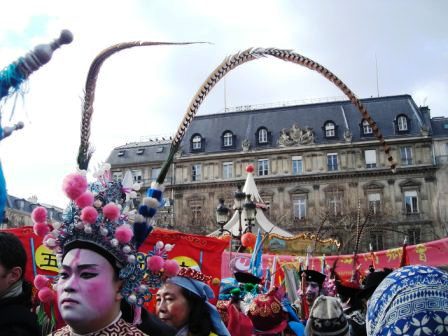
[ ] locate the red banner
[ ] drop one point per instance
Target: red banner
(434, 253)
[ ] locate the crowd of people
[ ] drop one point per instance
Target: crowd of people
(98, 293)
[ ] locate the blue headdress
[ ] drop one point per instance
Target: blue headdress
(412, 300)
(193, 281)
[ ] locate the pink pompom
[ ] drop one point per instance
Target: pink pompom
(89, 215)
(41, 229)
(46, 295)
(171, 268)
(74, 185)
(250, 168)
(39, 215)
(124, 233)
(155, 263)
(111, 211)
(86, 199)
(40, 281)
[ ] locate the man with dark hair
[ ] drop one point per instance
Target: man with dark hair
(16, 317)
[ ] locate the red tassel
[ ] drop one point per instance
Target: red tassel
(404, 256)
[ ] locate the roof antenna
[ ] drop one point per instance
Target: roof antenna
(377, 82)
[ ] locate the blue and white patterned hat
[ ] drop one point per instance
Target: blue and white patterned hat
(413, 300)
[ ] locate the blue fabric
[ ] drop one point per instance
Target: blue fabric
(297, 327)
(413, 300)
(205, 293)
(255, 260)
(3, 194)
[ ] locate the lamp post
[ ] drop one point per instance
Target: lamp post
(250, 210)
(239, 198)
(222, 215)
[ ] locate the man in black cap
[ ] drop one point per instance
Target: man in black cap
(313, 285)
(312, 282)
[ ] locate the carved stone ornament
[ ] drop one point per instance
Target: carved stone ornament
(348, 135)
(245, 145)
(296, 136)
(424, 131)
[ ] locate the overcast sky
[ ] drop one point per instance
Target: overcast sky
(145, 91)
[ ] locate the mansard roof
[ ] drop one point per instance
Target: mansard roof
(244, 125)
(140, 152)
(439, 127)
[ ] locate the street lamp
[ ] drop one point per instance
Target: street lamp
(250, 210)
(222, 215)
(239, 198)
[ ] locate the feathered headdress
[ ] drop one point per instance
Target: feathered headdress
(100, 215)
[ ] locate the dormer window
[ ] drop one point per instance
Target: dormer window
(402, 124)
(330, 129)
(228, 139)
(263, 136)
(197, 143)
(366, 129)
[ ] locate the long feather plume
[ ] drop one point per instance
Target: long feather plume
(85, 150)
(231, 62)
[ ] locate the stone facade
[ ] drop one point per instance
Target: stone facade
(318, 166)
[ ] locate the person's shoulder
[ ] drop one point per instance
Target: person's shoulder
(19, 319)
(64, 331)
(125, 328)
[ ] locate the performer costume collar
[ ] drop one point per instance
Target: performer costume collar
(97, 331)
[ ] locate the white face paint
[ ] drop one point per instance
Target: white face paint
(88, 293)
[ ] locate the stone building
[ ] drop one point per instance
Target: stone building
(440, 144)
(318, 166)
(18, 212)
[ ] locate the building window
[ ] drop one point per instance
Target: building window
(411, 202)
(196, 142)
(330, 129)
(227, 170)
(196, 172)
(374, 202)
(376, 240)
(406, 155)
(263, 167)
(332, 161)
(366, 129)
(335, 200)
(227, 139)
(370, 156)
(297, 165)
(402, 123)
(117, 176)
(137, 175)
(413, 236)
(195, 205)
(262, 136)
(299, 207)
(155, 173)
